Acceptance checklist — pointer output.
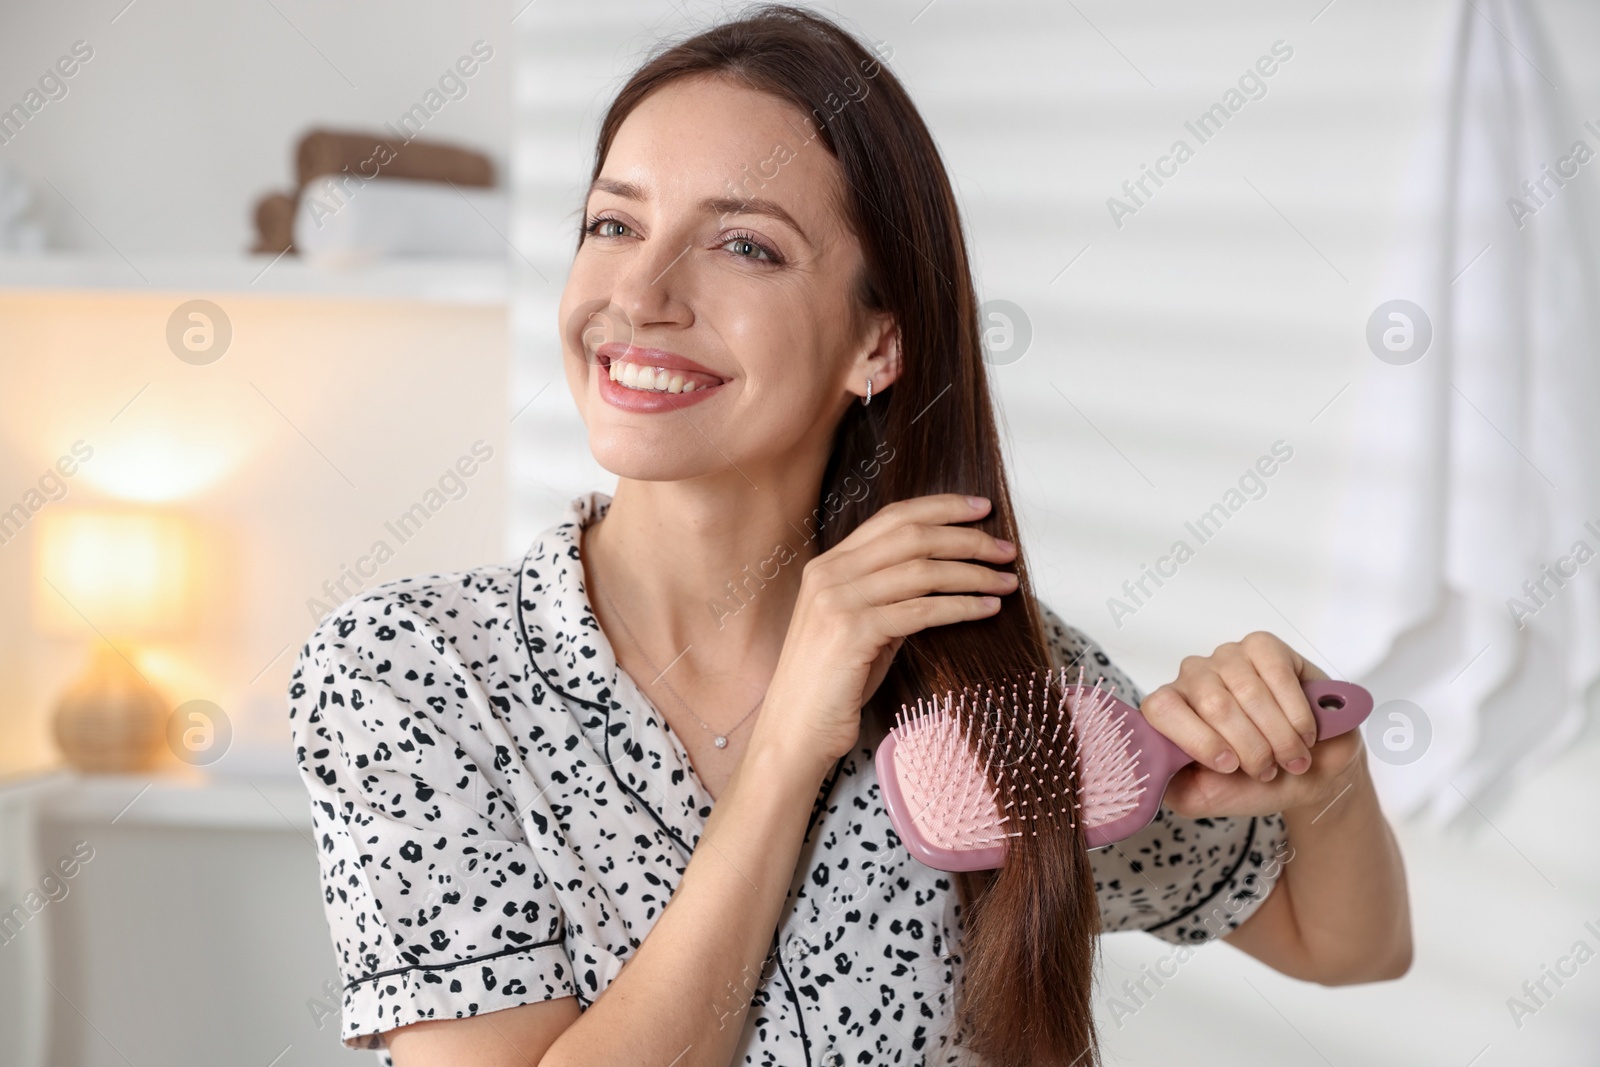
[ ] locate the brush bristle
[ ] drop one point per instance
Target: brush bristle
(957, 754)
(1113, 785)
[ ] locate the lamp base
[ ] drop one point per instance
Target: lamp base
(111, 720)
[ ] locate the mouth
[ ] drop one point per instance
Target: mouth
(653, 370)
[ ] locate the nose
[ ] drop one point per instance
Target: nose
(654, 288)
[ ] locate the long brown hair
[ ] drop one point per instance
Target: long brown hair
(1029, 940)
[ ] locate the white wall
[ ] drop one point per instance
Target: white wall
(186, 113)
(1226, 314)
(189, 111)
(1189, 340)
(327, 416)
(323, 421)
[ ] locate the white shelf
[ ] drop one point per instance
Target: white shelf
(196, 802)
(482, 282)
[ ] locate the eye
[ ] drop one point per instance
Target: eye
(745, 246)
(601, 226)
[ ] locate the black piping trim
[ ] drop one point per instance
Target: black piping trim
(1244, 854)
(527, 645)
(604, 709)
(822, 798)
(446, 966)
(799, 1015)
(615, 777)
(816, 807)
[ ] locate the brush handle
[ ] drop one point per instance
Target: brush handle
(1338, 708)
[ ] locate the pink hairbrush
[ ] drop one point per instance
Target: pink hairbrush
(939, 769)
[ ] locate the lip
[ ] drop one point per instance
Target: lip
(620, 396)
(654, 357)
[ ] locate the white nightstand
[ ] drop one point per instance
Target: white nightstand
(188, 931)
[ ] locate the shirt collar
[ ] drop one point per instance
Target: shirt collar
(573, 657)
(564, 639)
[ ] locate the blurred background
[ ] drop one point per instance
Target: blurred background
(277, 323)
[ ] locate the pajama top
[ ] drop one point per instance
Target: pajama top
(501, 815)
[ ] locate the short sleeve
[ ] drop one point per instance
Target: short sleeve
(1183, 880)
(434, 899)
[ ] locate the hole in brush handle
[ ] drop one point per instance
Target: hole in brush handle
(1339, 707)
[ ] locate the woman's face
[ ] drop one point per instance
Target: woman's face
(715, 279)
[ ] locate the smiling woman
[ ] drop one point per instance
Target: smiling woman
(569, 817)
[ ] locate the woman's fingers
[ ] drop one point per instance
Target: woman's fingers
(912, 616)
(1260, 703)
(1285, 671)
(1169, 712)
(920, 541)
(913, 552)
(919, 577)
(1198, 793)
(938, 509)
(1246, 696)
(914, 531)
(1207, 722)
(906, 568)
(896, 601)
(1195, 793)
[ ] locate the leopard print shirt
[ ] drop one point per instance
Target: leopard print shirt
(501, 816)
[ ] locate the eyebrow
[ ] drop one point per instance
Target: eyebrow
(721, 205)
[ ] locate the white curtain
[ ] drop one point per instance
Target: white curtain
(1477, 464)
(1225, 316)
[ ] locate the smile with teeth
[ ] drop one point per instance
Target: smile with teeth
(658, 379)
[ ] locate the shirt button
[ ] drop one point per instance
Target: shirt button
(833, 1058)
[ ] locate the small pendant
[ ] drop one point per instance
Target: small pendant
(720, 741)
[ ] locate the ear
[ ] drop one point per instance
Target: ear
(879, 357)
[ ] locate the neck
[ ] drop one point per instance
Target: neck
(711, 565)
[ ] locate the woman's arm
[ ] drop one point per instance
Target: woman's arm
(673, 1001)
(1339, 913)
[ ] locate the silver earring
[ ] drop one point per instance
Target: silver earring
(868, 398)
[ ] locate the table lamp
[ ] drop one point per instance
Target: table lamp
(120, 576)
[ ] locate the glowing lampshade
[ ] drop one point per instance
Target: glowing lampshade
(111, 576)
(124, 573)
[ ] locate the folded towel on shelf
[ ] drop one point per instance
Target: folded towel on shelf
(344, 220)
(370, 155)
(274, 224)
(338, 164)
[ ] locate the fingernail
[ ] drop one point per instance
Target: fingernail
(1227, 763)
(1270, 773)
(1309, 737)
(1298, 765)
(977, 502)
(991, 601)
(1005, 546)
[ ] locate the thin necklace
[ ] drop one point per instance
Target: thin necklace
(720, 740)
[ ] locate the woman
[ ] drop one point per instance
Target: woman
(770, 331)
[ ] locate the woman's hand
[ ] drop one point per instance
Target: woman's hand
(859, 601)
(1339, 913)
(1240, 712)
